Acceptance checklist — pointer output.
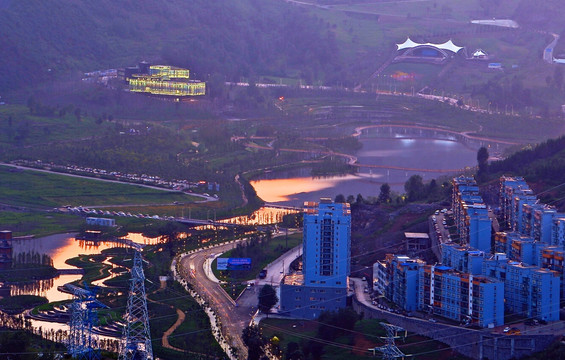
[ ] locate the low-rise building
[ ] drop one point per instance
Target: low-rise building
(94, 221)
(416, 242)
(308, 302)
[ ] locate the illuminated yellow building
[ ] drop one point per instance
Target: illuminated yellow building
(166, 80)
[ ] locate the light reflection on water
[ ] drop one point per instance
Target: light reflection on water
(60, 248)
(397, 150)
(263, 216)
(277, 190)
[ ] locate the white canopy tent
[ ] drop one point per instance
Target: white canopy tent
(448, 45)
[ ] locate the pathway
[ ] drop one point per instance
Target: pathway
(169, 331)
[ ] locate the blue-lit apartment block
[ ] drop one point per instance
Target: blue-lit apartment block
(522, 249)
(326, 251)
(537, 221)
(529, 291)
(517, 216)
(551, 257)
(471, 214)
(396, 278)
(509, 188)
(514, 193)
(439, 289)
(462, 297)
(462, 258)
(558, 230)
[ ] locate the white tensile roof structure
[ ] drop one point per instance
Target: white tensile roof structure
(448, 45)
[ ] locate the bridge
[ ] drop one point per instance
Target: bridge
(286, 207)
(77, 271)
(198, 222)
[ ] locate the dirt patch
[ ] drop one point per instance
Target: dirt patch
(362, 344)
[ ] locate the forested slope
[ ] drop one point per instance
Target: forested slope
(46, 39)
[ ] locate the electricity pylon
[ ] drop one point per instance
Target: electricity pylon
(136, 338)
(83, 342)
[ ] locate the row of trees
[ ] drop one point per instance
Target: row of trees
(415, 190)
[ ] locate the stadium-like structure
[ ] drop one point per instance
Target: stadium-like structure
(426, 52)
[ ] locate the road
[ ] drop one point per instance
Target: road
(548, 51)
(279, 267)
(233, 317)
(206, 198)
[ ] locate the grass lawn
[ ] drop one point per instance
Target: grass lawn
(44, 190)
(261, 255)
(39, 129)
(39, 223)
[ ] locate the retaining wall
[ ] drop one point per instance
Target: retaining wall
(476, 344)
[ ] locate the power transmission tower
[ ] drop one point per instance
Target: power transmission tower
(136, 339)
(390, 351)
(83, 342)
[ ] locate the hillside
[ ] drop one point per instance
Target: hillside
(48, 39)
(543, 166)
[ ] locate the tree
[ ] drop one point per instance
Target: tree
(558, 77)
(254, 341)
(339, 198)
(350, 199)
(267, 299)
(293, 352)
(482, 161)
(359, 199)
(384, 196)
(414, 188)
(77, 113)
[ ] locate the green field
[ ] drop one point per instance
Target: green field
(19, 127)
(44, 190)
(38, 223)
(261, 255)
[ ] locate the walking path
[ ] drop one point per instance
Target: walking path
(169, 331)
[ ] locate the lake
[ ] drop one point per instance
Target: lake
(389, 155)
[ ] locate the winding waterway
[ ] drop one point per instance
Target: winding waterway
(60, 248)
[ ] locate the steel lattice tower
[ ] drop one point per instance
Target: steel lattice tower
(390, 351)
(83, 342)
(136, 339)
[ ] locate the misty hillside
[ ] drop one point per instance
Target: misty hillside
(46, 39)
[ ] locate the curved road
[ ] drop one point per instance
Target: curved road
(233, 319)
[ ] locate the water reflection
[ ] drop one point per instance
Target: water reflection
(279, 190)
(60, 248)
(263, 216)
(390, 154)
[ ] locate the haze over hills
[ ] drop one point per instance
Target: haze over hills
(233, 38)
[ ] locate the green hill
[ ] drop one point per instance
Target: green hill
(543, 166)
(44, 40)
